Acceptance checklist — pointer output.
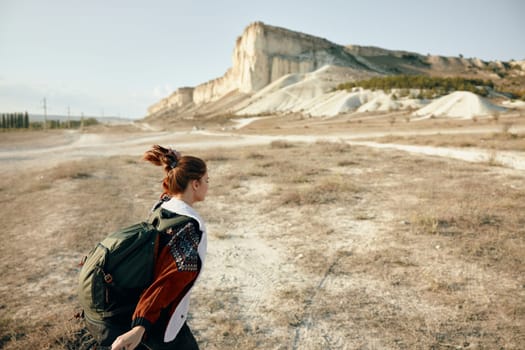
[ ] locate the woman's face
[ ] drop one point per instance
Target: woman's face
(201, 188)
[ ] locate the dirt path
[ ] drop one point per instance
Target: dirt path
(81, 145)
(509, 159)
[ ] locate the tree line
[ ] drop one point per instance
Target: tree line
(432, 86)
(21, 121)
(15, 121)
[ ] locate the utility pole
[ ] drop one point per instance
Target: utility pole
(68, 118)
(45, 114)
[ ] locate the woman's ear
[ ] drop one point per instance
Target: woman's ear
(195, 184)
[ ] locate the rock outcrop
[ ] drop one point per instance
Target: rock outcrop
(181, 97)
(262, 55)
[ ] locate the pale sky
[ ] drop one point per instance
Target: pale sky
(116, 58)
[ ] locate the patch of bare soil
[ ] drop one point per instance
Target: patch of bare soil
(312, 245)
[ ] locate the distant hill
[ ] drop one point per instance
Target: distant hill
(298, 68)
(63, 118)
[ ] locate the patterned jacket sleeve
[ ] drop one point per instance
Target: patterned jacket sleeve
(175, 271)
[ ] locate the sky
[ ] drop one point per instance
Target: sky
(117, 58)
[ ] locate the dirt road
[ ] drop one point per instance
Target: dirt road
(77, 145)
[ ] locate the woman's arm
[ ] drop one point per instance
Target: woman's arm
(168, 289)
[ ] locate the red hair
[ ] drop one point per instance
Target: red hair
(180, 170)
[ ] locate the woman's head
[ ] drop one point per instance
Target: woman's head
(183, 173)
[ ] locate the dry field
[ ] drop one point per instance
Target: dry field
(312, 245)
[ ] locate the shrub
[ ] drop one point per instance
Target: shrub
(280, 144)
(437, 85)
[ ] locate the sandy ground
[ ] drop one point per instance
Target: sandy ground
(255, 263)
(74, 145)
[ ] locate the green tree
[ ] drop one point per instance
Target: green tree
(434, 85)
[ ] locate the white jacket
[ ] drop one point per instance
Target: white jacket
(180, 314)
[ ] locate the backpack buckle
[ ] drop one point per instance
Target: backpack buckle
(108, 278)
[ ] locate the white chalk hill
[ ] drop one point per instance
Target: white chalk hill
(459, 104)
(313, 94)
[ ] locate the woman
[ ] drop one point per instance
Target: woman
(159, 320)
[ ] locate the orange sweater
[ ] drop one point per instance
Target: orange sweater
(176, 269)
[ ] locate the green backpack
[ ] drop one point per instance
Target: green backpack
(117, 270)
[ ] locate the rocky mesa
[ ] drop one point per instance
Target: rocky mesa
(264, 54)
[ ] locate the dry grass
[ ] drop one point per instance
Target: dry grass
(364, 123)
(54, 217)
(312, 246)
(445, 271)
(503, 140)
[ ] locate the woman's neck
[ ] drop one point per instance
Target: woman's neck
(186, 197)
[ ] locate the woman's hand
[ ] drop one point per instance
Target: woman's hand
(129, 340)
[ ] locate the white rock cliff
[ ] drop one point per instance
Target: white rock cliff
(262, 55)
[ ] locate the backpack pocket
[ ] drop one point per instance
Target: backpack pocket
(93, 289)
(99, 290)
